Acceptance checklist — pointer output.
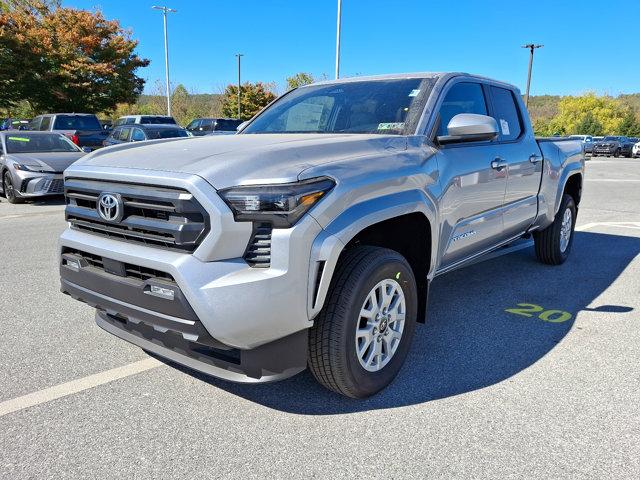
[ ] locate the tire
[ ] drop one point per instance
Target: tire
(617, 153)
(548, 242)
(9, 191)
(333, 356)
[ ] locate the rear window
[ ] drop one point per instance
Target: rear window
(76, 122)
(157, 120)
(166, 133)
(506, 113)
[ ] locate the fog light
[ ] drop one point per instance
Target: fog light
(156, 291)
(72, 264)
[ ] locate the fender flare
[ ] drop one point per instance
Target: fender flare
(329, 244)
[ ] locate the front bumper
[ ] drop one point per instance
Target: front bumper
(37, 184)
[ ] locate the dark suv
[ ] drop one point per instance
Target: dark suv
(613, 146)
(213, 126)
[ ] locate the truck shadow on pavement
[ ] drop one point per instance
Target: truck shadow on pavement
(469, 342)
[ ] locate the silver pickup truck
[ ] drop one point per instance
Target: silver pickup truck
(311, 237)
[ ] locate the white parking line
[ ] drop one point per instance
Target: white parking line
(75, 386)
(613, 180)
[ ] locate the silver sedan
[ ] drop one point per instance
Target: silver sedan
(31, 163)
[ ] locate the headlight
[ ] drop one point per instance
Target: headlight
(282, 205)
(27, 168)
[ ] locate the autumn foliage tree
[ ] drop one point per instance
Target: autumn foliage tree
(65, 59)
(253, 98)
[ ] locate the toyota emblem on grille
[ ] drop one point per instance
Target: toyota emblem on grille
(110, 207)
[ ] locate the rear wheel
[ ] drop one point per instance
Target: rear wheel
(553, 244)
(362, 336)
(9, 190)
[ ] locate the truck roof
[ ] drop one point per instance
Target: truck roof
(399, 76)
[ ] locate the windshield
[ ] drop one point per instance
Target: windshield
(76, 122)
(227, 125)
(374, 106)
(610, 139)
(157, 120)
(166, 133)
(39, 143)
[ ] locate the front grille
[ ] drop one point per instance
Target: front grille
(55, 185)
(258, 252)
(163, 217)
(130, 271)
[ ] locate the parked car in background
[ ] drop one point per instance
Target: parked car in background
(635, 151)
(83, 129)
(587, 142)
(31, 163)
(214, 126)
(613, 146)
(310, 237)
(140, 133)
(13, 124)
(145, 120)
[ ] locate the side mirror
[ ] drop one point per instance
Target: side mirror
(242, 125)
(86, 149)
(469, 127)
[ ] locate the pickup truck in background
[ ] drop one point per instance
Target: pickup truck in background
(310, 238)
(83, 129)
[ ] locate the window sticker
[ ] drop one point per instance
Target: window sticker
(19, 139)
(391, 126)
(504, 125)
(414, 93)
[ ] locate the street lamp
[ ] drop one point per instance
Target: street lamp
(531, 47)
(338, 39)
(164, 11)
(239, 55)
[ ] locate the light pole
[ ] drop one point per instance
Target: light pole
(164, 11)
(239, 56)
(338, 39)
(531, 47)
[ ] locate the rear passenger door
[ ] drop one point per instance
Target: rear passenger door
(473, 186)
(518, 148)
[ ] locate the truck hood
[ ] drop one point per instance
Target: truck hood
(54, 161)
(229, 160)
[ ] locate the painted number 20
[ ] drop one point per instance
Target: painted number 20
(529, 309)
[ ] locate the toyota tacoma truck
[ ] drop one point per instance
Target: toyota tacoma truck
(310, 238)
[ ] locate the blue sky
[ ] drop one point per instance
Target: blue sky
(280, 38)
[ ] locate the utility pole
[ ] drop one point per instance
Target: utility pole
(338, 39)
(239, 55)
(531, 47)
(164, 11)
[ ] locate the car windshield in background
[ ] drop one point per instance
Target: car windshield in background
(610, 139)
(157, 121)
(76, 122)
(378, 106)
(227, 125)
(39, 143)
(166, 133)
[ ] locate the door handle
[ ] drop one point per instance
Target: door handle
(533, 158)
(498, 164)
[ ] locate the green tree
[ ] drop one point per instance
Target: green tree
(65, 59)
(298, 80)
(573, 110)
(588, 125)
(253, 98)
(630, 126)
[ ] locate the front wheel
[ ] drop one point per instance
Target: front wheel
(9, 190)
(553, 244)
(617, 153)
(361, 337)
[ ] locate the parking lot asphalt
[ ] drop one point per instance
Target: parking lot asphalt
(486, 391)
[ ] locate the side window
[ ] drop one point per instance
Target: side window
(137, 135)
(130, 121)
(464, 97)
(35, 123)
(207, 125)
(506, 114)
(124, 134)
(46, 124)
